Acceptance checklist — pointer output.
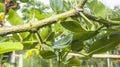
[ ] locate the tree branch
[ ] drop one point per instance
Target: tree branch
(94, 56)
(36, 25)
(101, 20)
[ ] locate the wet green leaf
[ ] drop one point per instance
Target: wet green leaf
(63, 42)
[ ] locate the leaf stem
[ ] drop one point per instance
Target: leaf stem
(39, 38)
(89, 23)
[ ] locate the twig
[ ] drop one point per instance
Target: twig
(101, 20)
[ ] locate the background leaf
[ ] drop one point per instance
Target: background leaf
(104, 44)
(24, 1)
(46, 54)
(2, 7)
(14, 18)
(56, 5)
(99, 9)
(74, 62)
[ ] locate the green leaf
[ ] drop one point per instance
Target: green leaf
(29, 44)
(56, 5)
(39, 15)
(88, 22)
(7, 39)
(104, 44)
(99, 8)
(57, 28)
(10, 46)
(2, 1)
(115, 19)
(51, 36)
(42, 16)
(22, 36)
(2, 7)
(46, 54)
(74, 62)
(14, 18)
(66, 6)
(24, 1)
(30, 41)
(73, 26)
(25, 35)
(64, 53)
(77, 46)
(84, 35)
(16, 36)
(45, 33)
(63, 42)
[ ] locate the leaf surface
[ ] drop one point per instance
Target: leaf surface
(10, 46)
